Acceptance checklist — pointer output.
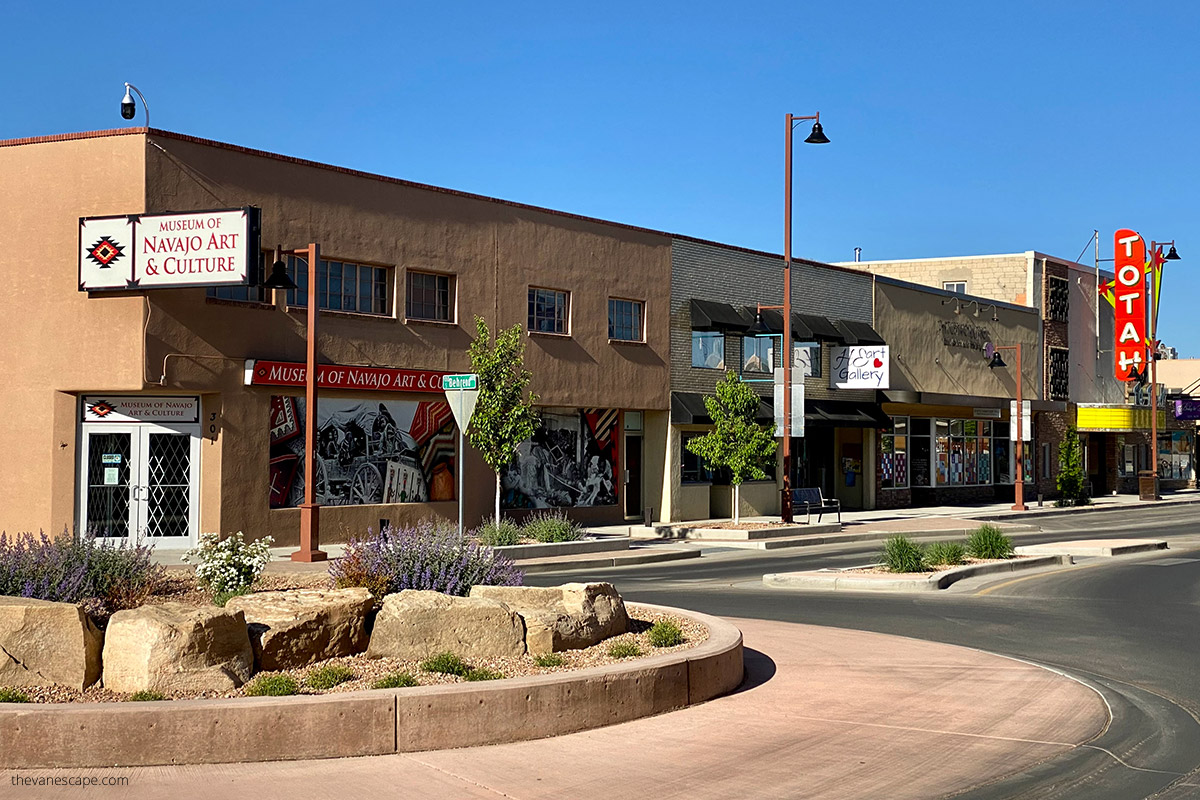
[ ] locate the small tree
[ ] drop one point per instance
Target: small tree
(737, 441)
(504, 414)
(1072, 482)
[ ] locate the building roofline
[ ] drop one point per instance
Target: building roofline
(921, 287)
(183, 137)
(1026, 254)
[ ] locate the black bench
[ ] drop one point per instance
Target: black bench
(810, 500)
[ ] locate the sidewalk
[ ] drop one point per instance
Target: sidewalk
(824, 713)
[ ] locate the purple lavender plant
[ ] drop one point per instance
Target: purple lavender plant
(430, 555)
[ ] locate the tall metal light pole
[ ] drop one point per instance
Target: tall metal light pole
(1019, 486)
(1157, 261)
(310, 510)
(816, 137)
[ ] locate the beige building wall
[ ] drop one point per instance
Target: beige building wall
(1005, 277)
(54, 339)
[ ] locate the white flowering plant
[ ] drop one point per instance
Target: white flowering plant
(230, 564)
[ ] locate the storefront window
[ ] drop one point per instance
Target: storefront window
(693, 467)
(894, 446)
(960, 452)
(1175, 450)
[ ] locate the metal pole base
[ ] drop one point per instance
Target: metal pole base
(310, 536)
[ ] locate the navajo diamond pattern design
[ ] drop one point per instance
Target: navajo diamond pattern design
(169, 462)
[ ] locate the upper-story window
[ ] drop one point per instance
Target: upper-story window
(244, 294)
(1058, 299)
(958, 287)
(549, 310)
(758, 353)
(806, 358)
(708, 349)
(429, 296)
(625, 320)
(1059, 373)
(341, 286)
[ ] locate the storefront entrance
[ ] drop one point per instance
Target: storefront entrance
(138, 480)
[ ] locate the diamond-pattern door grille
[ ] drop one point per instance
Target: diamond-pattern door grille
(168, 501)
(108, 484)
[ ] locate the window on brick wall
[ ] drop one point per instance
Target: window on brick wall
(1059, 377)
(958, 287)
(1058, 299)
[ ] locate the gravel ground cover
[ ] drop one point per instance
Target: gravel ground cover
(879, 569)
(368, 670)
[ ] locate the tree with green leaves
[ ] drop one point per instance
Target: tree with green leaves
(505, 414)
(1072, 482)
(737, 441)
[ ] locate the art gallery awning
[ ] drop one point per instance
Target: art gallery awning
(708, 315)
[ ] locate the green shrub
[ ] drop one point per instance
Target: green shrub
(446, 664)
(665, 633)
(552, 526)
(549, 660)
(328, 676)
(624, 650)
(145, 696)
(502, 535)
(901, 554)
(221, 598)
(229, 564)
(949, 553)
(483, 674)
(989, 542)
(8, 695)
(279, 684)
(395, 680)
(1072, 475)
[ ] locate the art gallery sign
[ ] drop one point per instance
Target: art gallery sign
(859, 367)
(343, 376)
(169, 251)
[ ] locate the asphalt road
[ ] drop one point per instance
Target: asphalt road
(1127, 627)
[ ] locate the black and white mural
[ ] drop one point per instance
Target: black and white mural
(571, 461)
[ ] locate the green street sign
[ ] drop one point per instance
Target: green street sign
(469, 381)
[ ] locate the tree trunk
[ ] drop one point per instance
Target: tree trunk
(737, 502)
(497, 498)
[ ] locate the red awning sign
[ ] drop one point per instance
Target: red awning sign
(343, 376)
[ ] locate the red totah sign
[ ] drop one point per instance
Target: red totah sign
(1129, 289)
(341, 376)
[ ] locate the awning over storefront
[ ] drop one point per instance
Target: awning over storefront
(816, 328)
(687, 408)
(711, 316)
(858, 332)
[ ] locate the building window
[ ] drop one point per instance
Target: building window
(243, 294)
(708, 349)
(429, 296)
(958, 287)
(1058, 299)
(694, 469)
(625, 320)
(806, 358)
(1059, 378)
(548, 310)
(894, 447)
(341, 286)
(757, 354)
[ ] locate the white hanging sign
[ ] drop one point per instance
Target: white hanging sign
(859, 367)
(797, 419)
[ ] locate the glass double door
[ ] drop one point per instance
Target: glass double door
(139, 482)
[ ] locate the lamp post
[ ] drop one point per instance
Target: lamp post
(1019, 487)
(310, 510)
(817, 136)
(1157, 262)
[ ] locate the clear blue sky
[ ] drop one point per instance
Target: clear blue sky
(957, 127)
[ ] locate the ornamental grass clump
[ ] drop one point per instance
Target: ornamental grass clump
(8, 695)
(278, 684)
(989, 542)
(483, 674)
(504, 534)
(229, 565)
(101, 576)
(549, 660)
(328, 676)
(447, 664)
(552, 526)
(430, 555)
(146, 696)
(395, 680)
(901, 554)
(624, 650)
(665, 633)
(946, 553)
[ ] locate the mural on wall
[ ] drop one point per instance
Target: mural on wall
(571, 461)
(368, 452)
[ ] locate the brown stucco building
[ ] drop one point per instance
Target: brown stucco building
(139, 411)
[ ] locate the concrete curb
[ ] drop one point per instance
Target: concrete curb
(834, 580)
(1089, 509)
(370, 722)
(521, 552)
(633, 558)
(1097, 548)
(848, 538)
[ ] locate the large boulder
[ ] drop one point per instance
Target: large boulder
(567, 617)
(44, 643)
(417, 624)
(175, 647)
(299, 627)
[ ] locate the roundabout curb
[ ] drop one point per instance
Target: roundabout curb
(371, 722)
